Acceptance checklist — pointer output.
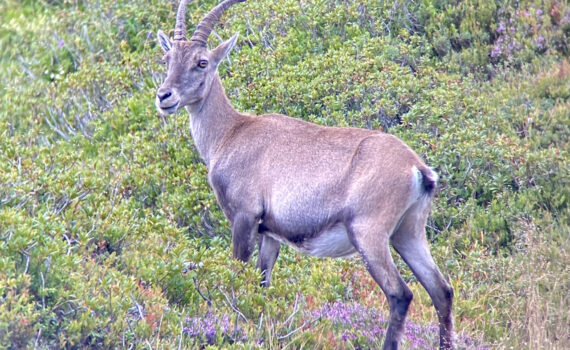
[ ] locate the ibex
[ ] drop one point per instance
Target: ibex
(325, 191)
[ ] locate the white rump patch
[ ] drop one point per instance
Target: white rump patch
(418, 181)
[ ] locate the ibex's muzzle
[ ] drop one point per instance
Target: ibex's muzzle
(163, 95)
(167, 101)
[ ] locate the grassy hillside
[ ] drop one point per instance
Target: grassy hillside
(110, 236)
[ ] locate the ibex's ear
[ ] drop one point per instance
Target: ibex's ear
(164, 41)
(220, 52)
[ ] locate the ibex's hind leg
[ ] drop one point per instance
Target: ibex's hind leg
(371, 241)
(410, 242)
(268, 252)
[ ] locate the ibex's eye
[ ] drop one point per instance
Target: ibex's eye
(202, 64)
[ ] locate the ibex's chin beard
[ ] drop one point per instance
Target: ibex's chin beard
(167, 109)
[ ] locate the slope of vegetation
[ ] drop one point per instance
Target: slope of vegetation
(110, 236)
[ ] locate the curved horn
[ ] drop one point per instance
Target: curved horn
(209, 21)
(180, 28)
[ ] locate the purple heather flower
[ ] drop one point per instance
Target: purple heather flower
(540, 42)
(60, 44)
(501, 28)
(566, 18)
(149, 35)
(539, 12)
(496, 51)
(225, 323)
(207, 328)
(356, 324)
(210, 328)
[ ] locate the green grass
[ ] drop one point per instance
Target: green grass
(111, 237)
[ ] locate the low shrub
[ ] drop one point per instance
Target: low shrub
(111, 237)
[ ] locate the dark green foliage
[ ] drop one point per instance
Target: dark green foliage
(110, 234)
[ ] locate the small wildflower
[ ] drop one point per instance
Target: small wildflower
(496, 51)
(363, 327)
(208, 328)
(540, 42)
(501, 28)
(61, 43)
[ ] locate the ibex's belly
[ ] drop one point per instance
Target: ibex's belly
(332, 242)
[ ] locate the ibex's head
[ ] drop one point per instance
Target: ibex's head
(191, 67)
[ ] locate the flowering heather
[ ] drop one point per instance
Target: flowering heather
(540, 42)
(517, 30)
(209, 328)
(355, 320)
(365, 328)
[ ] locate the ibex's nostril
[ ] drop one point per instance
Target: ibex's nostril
(163, 96)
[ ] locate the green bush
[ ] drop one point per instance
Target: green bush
(110, 235)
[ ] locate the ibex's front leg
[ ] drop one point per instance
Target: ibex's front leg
(268, 252)
(244, 230)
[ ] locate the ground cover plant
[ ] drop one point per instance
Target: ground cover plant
(110, 236)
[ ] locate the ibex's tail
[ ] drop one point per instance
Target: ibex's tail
(427, 179)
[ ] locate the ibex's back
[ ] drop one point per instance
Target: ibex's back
(325, 191)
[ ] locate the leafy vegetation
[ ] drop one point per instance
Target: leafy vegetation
(110, 235)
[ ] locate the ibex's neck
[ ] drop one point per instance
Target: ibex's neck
(211, 120)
